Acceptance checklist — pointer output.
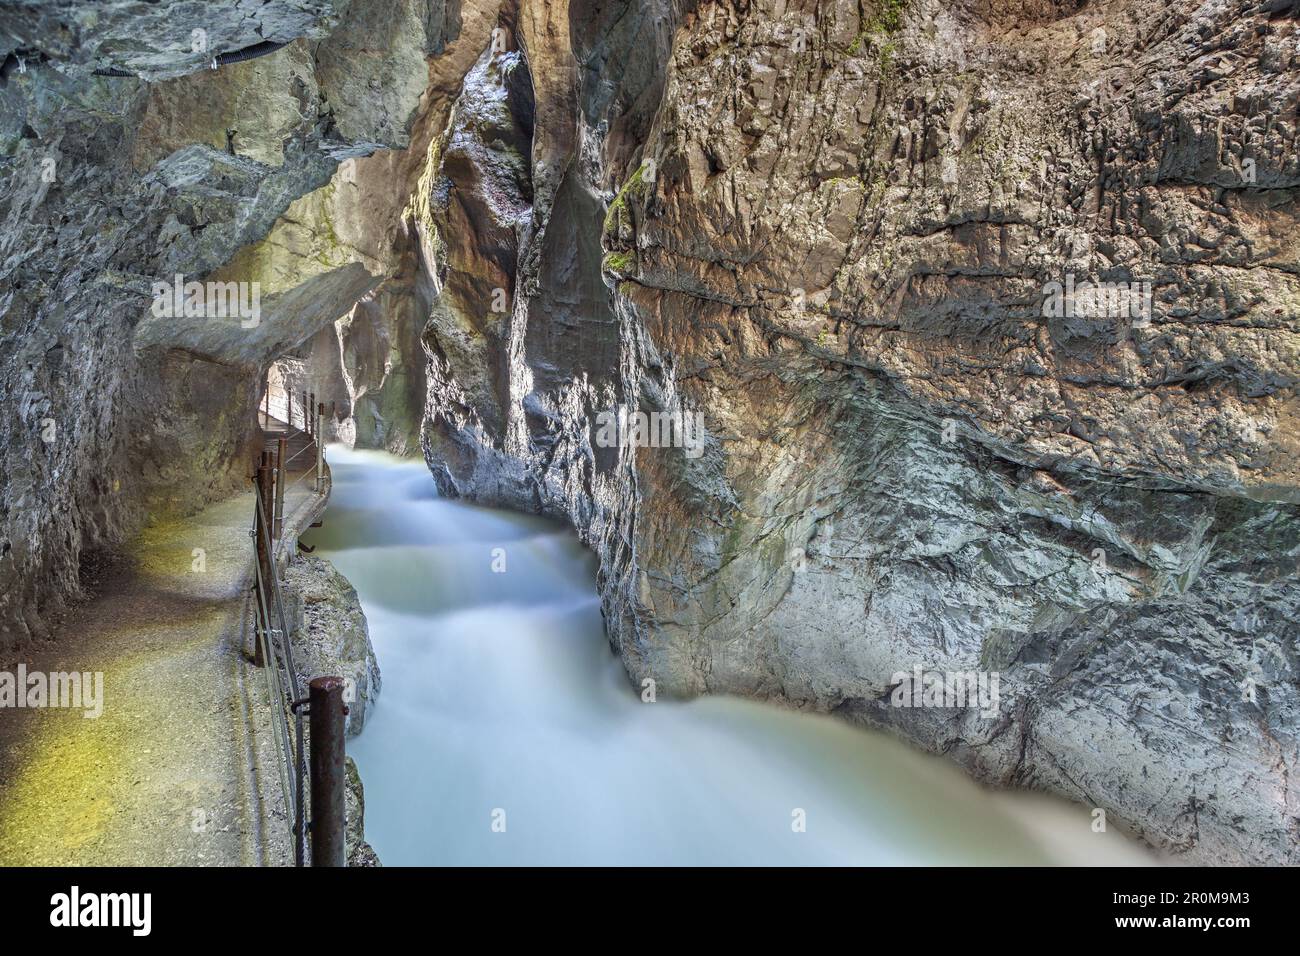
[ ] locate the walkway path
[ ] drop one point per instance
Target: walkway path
(169, 774)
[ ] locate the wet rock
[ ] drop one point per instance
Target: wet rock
(833, 230)
(841, 251)
(330, 634)
(358, 851)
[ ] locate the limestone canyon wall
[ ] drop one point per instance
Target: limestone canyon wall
(264, 144)
(835, 230)
(832, 229)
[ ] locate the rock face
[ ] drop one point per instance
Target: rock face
(834, 231)
(159, 40)
(111, 184)
(359, 852)
(330, 635)
(989, 310)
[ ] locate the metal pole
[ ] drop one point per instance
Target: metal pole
(288, 407)
(268, 392)
(281, 479)
(263, 558)
(306, 414)
(320, 449)
(299, 837)
(327, 774)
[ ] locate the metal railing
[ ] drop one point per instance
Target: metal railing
(313, 423)
(273, 652)
(283, 686)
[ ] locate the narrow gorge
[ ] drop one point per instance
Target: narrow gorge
(858, 343)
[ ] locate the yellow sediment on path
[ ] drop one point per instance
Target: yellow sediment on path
(179, 767)
(50, 793)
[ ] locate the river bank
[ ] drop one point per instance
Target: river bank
(508, 733)
(330, 637)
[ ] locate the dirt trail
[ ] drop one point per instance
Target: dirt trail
(179, 767)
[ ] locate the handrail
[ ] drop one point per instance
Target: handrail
(310, 471)
(277, 596)
(310, 446)
(279, 733)
(272, 598)
(284, 685)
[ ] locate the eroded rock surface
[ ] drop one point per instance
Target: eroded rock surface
(840, 252)
(330, 634)
(358, 851)
(111, 184)
(832, 229)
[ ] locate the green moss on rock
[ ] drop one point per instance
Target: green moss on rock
(635, 186)
(619, 263)
(888, 20)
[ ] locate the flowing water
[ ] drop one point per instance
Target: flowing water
(508, 733)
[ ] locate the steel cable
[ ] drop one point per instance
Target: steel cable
(279, 729)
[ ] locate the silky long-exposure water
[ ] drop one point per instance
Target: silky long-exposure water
(508, 733)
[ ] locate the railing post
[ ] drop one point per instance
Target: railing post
(299, 803)
(288, 407)
(281, 479)
(263, 558)
(320, 448)
(327, 774)
(306, 414)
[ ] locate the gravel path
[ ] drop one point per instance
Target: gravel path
(180, 767)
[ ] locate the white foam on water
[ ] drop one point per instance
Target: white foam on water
(502, 701)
